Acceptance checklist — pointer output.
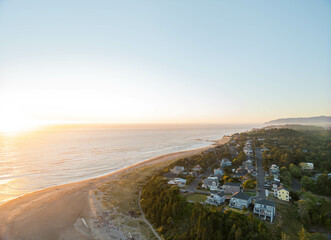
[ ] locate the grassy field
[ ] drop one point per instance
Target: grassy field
(195, 197)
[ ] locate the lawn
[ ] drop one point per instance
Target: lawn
(253, 194)
(234, 210)
(195, 197)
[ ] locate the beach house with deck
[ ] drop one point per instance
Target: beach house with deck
(265, 209)
(216, 198)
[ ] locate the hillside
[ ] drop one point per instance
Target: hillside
(297, 127)
(316, 121)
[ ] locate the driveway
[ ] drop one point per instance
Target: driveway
(296, 185)
(260, 174)
(194, 184)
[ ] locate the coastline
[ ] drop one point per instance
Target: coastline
(52, 212)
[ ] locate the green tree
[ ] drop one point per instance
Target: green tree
(295, 171)
(238, 234)
(285, 237)
(308, 183)
(303, 235)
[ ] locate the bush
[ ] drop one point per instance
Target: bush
(294, 196)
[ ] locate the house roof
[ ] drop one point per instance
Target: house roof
(266, 202)
(232, 184)
(250, 167)
(178, 168)
(241, 195)
(209, 181)
(221, 194)
(197, 168)
(282, 187)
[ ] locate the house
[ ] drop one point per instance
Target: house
(211, 183)
(248, 162)
(225, 163)
(240, 172)
(231, 188)
(306, 166)
(276, 177)
(216, 198)
(253, 173)
(248, 151)
(274, 185)
(218, 172)
(178, 181)
(264, 149)
(197, 168)
(265, 209)
(177, 170)
(240, 200)
(282, 193)
(274, 169)
(250, 168)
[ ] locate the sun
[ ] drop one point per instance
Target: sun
(12, 124)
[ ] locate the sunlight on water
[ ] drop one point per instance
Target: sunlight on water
(33, 161)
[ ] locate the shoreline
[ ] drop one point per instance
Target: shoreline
(55, 210)
(214, 143)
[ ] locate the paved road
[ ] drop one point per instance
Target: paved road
(296, 185)
(260, 174)
(146, 221)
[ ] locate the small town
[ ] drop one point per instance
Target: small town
(249, 187)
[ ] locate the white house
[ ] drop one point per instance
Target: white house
(197, 168)
(218, 172)
(306, 165)
(177, 170)
(248, 151)
(178, 181)
(265, 209)
(225, 162)
(211, 183)
(274, 169)
(264, 149)
(240, 200)
(216, 198)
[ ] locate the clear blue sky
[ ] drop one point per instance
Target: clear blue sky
(165, 61)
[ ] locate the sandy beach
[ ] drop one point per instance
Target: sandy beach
(78, 210)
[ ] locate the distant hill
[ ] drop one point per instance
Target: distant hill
(324, 121)
(296, 127)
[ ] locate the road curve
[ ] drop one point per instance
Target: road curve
(146, 221)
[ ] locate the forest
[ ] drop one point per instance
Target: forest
(175, 218)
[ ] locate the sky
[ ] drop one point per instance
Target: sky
(163, 61)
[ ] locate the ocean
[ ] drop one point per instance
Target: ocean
(42, 159)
